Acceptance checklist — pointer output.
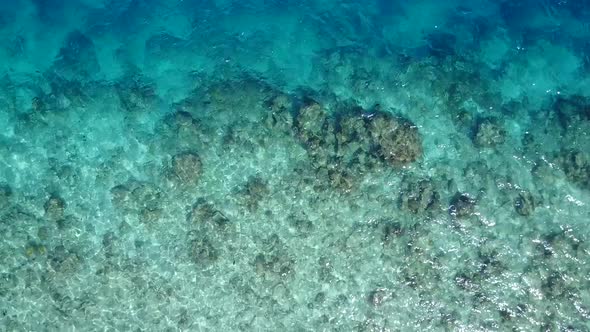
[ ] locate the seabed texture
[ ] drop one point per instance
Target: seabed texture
(294, 165)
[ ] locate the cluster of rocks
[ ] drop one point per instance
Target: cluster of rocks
(524, 203)
(419, 197)
(136, 95)
(572, 110)
(576, 166)
(185, 169)
(489, 133)
(54, 207)
(5, 196)
(462, 206)
(209, 229)
(274, 262)
(141, 199)
(254, 191)
(348, 142)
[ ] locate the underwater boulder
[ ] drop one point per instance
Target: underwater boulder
(186, 168)
(205, 214)
(5, 196)
(202, 252)
(77, 57)
(181, 119)
(136, 94)
(571, 110)
(419, 197)
(279, 117)
(489, 133)
(352, 133)
(254, 191)
(462, 206)
(524, 203)
(576, 166)
(141, 199)
(55, 207)
(395, 140)
(311, 122)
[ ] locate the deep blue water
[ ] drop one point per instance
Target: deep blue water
(294, 165)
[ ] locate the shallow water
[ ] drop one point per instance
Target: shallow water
(294, 165)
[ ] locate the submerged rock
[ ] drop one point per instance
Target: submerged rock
(182, 122)
(311, 124)
(274, 262)
(205, 213)
(280, 116)
(462, 206)
(395, 140)
(254, 191)
(354, 141)
(202, 251)
(5, 196)
(77, 58)
(576, 166)
(489, 134)
(419, 197)
(524, 203)
(136, 95)
(54, 207)
(379, 296)
(391, 231)
(572, 109)
(141, 199)
(186, 168)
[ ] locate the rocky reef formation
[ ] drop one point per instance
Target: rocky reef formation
(350, 141)
(419, 197)
(5, 196)
(489, 133)
(140, 199)
(576, 166)
(524, 204)
(395, 140)
(54, 207)
(462, 206)
(185, 169)
(571, 110)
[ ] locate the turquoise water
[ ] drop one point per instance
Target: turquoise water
(279, 165)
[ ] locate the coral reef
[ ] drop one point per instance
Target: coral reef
(294, 165)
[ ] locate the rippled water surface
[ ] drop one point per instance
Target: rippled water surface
(280, 165)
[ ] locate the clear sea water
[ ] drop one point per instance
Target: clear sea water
(294, 165)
